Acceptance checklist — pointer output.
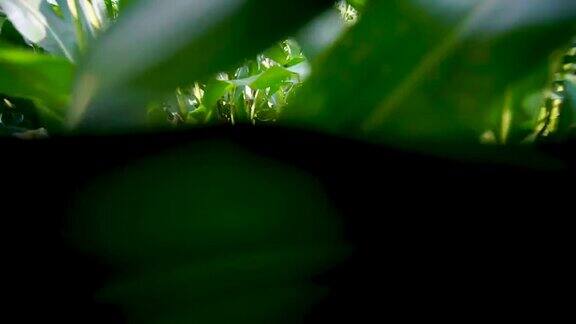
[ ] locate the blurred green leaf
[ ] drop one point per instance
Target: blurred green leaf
(44, 79)
(272, 78)
(512, 119)
(64, 28)
(571, 92)
(185, 41)
(286, 53)
(11, 36)
(2, 20)
(39, 24)
(321, 33)
(430, 70)
(358, 4)
(216, 89)
(194, 231)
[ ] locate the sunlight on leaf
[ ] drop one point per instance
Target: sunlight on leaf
(184, 42)
(38, 23)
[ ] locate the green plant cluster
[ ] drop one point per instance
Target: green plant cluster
(256, 92)
(406, 71)
(253, 93)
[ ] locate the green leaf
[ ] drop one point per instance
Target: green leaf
(185, 41)
(430, 70)
(2, 20)
(45, 79)
(77, 23)
(39, 24)
(358, 4)
(287, 53)
(215, 89)
(272, 78)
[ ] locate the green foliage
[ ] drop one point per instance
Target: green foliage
(557, 114)
(46, 80)
(62, 27)
(404, 71)
(428, 79)
(185, 42)
(255, 92)
(33, 76)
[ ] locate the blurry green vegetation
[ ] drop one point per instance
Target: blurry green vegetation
(557, 115)
(443, 70)
(209, 233)
(213, 234)
(252, 93)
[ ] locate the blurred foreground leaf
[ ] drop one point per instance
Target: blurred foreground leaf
(39, 24)
(44, 79)
(63, 28)
(430, 70)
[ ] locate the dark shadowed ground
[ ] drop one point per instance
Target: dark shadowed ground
(266, 225)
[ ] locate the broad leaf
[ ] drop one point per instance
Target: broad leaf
(272, 78)
(37, 21)
(9, 35)
(216, 89)
(414, 69)
(39, 24)
(45, 79)
(358, 4)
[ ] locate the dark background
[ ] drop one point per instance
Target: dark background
(433, 238)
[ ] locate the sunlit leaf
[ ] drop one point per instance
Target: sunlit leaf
(39, 24)
(272, 78)
(215, 90)
(181, 41)
(205, 230)
(65, 33)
